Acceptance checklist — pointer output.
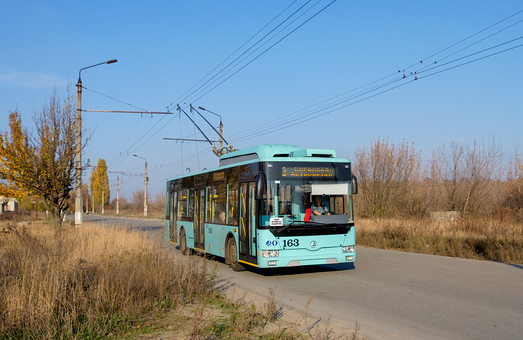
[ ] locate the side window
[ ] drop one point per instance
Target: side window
(182, 204)
(219, 202)
(190, 205)
(232, 204)
(217, 199)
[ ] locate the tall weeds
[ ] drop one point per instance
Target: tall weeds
(87, 281)
(476, 238)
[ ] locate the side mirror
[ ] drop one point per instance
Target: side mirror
(354, 185)
(260, 186)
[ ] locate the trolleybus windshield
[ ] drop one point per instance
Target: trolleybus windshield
(292, 188)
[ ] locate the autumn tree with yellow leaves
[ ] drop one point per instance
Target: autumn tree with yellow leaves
(41, 163)
(100, 185)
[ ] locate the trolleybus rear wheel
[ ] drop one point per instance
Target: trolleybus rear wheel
(183, 243)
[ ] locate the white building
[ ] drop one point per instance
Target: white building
(8, 204)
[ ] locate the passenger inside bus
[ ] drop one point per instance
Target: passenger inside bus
(307, 217)
(318, 207)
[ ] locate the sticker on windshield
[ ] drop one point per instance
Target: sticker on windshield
(276, 222)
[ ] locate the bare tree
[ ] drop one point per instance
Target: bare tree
(466, 174)
(390, 178)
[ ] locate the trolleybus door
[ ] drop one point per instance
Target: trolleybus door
(173, 199)
(247, 218)
(199, 211)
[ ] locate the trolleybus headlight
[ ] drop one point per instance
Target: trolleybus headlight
(348, 249)
(270, 253)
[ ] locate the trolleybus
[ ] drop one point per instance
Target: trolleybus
(255, 208)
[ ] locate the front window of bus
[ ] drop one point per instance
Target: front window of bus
(288, 199)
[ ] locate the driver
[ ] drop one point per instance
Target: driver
(318, 208)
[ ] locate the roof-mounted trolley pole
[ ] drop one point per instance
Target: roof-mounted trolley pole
(216, 152)
(229, 147)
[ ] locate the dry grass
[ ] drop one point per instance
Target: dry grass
(86, 281)
(97, 282)
(477, 238)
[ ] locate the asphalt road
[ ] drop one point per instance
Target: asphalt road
(391, 294)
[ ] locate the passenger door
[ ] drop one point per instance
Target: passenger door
(199, 212)
(173, 225)
(247, 221)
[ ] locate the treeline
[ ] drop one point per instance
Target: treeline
(472, 179)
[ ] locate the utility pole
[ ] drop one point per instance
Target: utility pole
(117, 195)
(118, 185)
(78, 219)
(145, 180)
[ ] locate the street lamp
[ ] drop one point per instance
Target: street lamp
(78, 151)
(146, 179)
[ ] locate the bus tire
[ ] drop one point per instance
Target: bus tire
(227, 257)
(232, 251)
(183, 243)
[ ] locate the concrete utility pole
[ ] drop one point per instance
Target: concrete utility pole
(145, 180)
(117, 195)
(123, 173)
(78, 219)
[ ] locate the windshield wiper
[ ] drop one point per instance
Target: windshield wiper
(279, 231)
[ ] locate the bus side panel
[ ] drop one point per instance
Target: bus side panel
(215, 235)
(189, 232)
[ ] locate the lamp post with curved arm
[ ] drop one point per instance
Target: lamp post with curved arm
(78, 151)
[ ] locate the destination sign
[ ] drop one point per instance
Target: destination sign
(307, 171)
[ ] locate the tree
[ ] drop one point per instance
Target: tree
(43, 164)
(467, 173)
(390, 177)
(100, 184)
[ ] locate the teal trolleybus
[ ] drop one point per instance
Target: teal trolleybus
(258, 208)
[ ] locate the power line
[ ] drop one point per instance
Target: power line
(469, 37)
(379, 86)
(238, 49)
(329, 102)
(263, 52)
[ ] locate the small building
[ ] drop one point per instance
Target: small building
(8, 204)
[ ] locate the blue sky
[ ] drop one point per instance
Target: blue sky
(164, 48)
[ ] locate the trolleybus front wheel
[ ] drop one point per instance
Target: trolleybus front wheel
(232, 252)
